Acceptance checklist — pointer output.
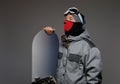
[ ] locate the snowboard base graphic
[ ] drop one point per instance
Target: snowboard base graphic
(44, 55)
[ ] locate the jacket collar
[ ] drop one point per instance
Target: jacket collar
(85, 34)
(66, 40)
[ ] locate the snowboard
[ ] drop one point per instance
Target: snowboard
(44, 55)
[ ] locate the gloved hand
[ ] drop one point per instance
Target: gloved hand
(47, 80)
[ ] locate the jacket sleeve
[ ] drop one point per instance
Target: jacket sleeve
(93, 68)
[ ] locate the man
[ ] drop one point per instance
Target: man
(79, 60)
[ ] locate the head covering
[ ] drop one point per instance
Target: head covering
(77, 19)
(76, 14)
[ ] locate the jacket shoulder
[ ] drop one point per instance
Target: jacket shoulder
(89, 42)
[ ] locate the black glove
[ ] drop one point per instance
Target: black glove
(47, 80)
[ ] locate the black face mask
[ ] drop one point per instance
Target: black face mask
(75, 30)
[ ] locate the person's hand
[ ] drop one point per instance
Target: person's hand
(48, 30)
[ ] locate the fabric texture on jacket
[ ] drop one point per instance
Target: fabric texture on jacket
(79, 61)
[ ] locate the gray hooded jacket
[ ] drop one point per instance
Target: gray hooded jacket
(79, 61)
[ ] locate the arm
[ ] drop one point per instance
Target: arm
(93, 68)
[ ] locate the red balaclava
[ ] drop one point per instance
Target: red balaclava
(72, 28)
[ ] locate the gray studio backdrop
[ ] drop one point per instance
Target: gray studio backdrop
(20, 20)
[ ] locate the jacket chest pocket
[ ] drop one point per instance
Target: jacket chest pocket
(74, 58)
(74, 62)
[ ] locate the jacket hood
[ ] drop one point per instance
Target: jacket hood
(85, 35)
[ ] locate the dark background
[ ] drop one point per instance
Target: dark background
(20, 20)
